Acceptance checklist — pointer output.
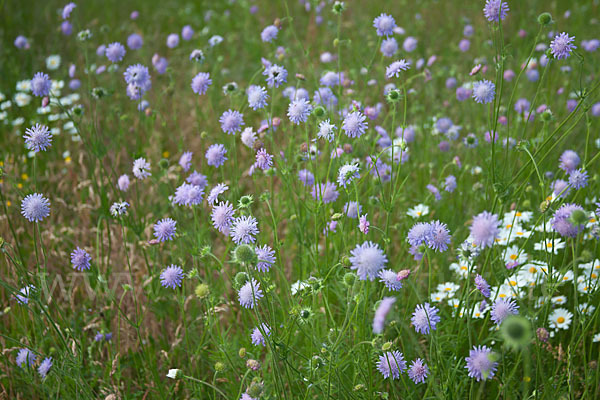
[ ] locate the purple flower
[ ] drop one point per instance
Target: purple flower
(141, 168)
(257, 336)
(172, 40)
(410, 44)
(463, 93)
(266, 258)
(215, 155)
(396, 67)
(347, 173)
(480, 363)
(381, 313)
(123, 183)
(250, 293)
(561, 220)
(44, 367)
(306, 177)
(276, 75)
(68, 9)
(171, 277)
(502, 308)
(495, 10)
(37, 138)
(269, 33)
(115, 52)
(231, 121)
(484, 91)
(80, 259)
(21, 42)
(384, 24)
(134, 41)
(185, 161)
(482, 285)
(41, 84)
(352, 209)
(367, 259)
(197, 179)
(391, 363)
(389, 279)
(201, 82)
(425, 318)
(417, 235)
(188, 195)
(562, 46)
(35, 207)
(418, 371)
(187, 33)
(264, 160)
(160, 63)
(326, 130)
(213, 196)
(24, 293)
(299, 111)
(434, 191)
(165, 229)
(450, 183)
(484, 229)
(244, 229)
(222, 217)
(66, 27)
(25, 356)
(560, 188)
(257, 97)
(137, 75)
(363, 224)
(568, 161)
(578, 179)
(326, 192)
(389, 47)
(438, 236)
(354, 124)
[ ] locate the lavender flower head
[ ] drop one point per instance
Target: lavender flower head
(266, 258)
(231, 121)
(222, 217)
(325, 192)
(390, 279)
(299, 111)
(561, 221)
(269, 33)
(123, 183)
(354, 124)
(171, 277)
(257, 97)
(80, 259)
(562, 46)
(438, 236)
(115, 52)
(201, 82)
(394, 69)
(326, 130)
(244, 229)
(484, 91)
(188, 195)
(347, 173)
(185, 161)
(482, 285)
(257, 336)
(215, 155)
(23, 296)
(35, 207)
(578, 179)
(141, 168)
(417, 235)
(306, 177)
(568, 161)
(135, 41)
(502, 308)
(41, 84)
(165, 229)
(24, 357)
(250, 293)
(495, 10)
(418, 371)
(213, 196)
(484, 229)
(381, 313)
(384, 24)
(68, 9)
(367, 259)
(391, 363)
(44, 367)
(480, 363)
(38, 138)
(425, 318)
(276, 75)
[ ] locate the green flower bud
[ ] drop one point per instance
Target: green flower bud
(245, 254)
(202, 290)
(544, 19)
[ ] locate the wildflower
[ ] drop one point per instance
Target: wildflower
(384, 24)
(197, 179)
(174, 373)
(21, 42)
(480, 363)
(137, 75)
(354, 124)
(119, 208)
(38, 138)
(484, 229)
(269, 33)
(347, 173)
(394, 69)
(502, 308)
(438, 236)
(185, 161)
(165, 229)
(276, 75)
(363, 224)
(391, 363)
(352, 209)
(569, 160)
(123, 183)
(257, 97)
(418, 371)
(484, 91)
(417, 235)
(187, 32)
(418, 211)
(222, 217)
(561, 221)
(201, 82)
(266, 258)
(244, 229)
(425, 318)
(578, 179)
(141, 168)
(250, 293)
(23, 296)
(80, 259)
(44, 367)
(171, 276)
(257, 336)
(172, 40)
(381, 313)
(389, 279)
(213, 196)
(68, 9)
(40, 84)
(35, 207)
(325, 192)
(215, 155)
(25, 356)
(562, 46)
(326, 130)
(482, 285)
(188, 195)
(299, 110)
(367, 259)
(389, 47)
(306, 177)
(409, 44)
(495, 10)
(434, 191)
(115, 52)
(450, 183)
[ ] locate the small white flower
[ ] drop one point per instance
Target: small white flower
(418, 211)
(560, 319)
(53, 62)
(175, 373)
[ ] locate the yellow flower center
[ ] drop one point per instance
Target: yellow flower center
(513, 256)
(560, 320)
